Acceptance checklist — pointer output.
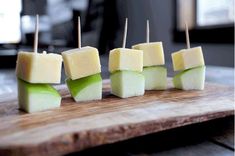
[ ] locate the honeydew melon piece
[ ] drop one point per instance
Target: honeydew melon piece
(155, 78)
(126, 84)
(191, 79)
(86, 88)
(37, 97)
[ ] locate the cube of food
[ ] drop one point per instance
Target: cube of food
(125, 59)
(152, 53)
(155, 78)
(126, 84)
(82, 62)
(86, 88)
(191, 79)
(37, 97)
(187, 58)
(39, 67)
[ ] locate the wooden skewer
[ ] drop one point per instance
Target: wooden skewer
(35, 46)
(187, 35)
(125, 33)
(79, 33)
(147, 31)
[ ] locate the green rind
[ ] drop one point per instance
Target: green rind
(38, 88)
(76, 86)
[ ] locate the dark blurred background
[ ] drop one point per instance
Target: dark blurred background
(211, 24)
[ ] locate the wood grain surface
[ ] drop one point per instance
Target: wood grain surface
(77, 126)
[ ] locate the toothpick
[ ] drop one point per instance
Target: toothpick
(147, 31)
(35, 46)
(125, 33)
(79, 32)
(187, 35)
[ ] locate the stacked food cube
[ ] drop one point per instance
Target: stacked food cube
(125, 66)
(35, 71)
(82, 67)
(153, 60)
(190, 63)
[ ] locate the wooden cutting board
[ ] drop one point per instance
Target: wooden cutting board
(77, 126)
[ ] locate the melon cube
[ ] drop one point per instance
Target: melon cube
(126, 84)
(187, 58)
(37, 97)
(152, 53)
(86, 88)
(82, 62)
(39, 67)
(155, 78)
(191, 79)
(125, 59)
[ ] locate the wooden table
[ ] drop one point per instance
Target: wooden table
(214, 138)
(210, 138)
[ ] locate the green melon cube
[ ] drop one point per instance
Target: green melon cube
(155, 78)
(37, 97)
(191, 79)
(126, 84)
(86, 88)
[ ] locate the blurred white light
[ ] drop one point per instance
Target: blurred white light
(215, 12)
(10, 21)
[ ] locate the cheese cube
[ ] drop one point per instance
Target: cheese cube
(187, 58)
(39, 67)
(82, 62)
(153, 53)
(125, 59)
(126, 84)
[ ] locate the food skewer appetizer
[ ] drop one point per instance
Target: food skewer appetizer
(190, 63)
(125, 66)
(154, 72)
(35, 71)
(83, 69)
